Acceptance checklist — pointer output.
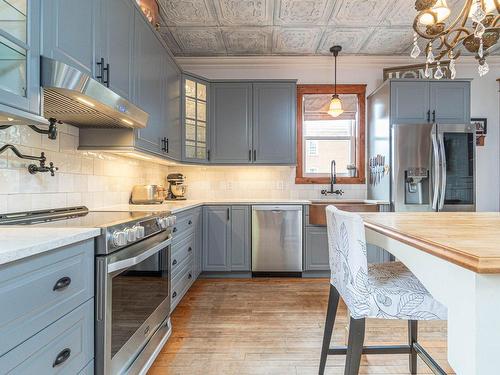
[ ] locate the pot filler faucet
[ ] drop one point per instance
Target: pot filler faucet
(333, 181)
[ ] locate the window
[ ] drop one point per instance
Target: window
(322, 138)
(196, 119)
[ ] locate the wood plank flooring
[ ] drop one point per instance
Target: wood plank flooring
(275, 327)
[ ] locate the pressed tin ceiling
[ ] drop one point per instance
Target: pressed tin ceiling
(288, 27)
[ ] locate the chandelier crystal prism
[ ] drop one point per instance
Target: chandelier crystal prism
(476, 29)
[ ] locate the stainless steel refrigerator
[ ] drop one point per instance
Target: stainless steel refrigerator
(420, 167)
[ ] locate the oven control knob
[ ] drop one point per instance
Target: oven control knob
(119, 238)
(130, 232)
(139, 231)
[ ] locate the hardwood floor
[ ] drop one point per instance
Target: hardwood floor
(275, 327)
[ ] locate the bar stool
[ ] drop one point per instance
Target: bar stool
(381, 291)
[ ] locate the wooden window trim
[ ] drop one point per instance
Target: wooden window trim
(360, 91)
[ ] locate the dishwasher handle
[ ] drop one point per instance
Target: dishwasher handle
(277, 209)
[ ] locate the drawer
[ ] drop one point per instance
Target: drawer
(181, 283)
(184, 226)
(70, 340)
(181, 252)
(37, 291)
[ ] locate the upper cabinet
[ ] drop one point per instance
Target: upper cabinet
(421, 102)
(253, 122)
(195, 119)
(20, 54)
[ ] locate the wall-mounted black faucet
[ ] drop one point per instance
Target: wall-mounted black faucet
(32, 168)
(51, 132)
(333, 181)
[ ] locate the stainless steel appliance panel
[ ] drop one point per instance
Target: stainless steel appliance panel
(277, 238)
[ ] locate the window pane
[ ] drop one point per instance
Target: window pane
(202, 111)
(190, 132)
(201, 133)
(190, 108)
(201, 151)
(327, 150)
(190, 88)
(201, 91)
(12, 67)
(329, 128)
(13, 18)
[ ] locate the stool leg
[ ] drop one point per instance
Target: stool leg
(333, 302)
(412, 338)
(355, 346)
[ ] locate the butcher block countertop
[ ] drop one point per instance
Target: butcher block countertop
(468, 239)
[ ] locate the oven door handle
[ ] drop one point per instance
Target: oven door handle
(129, 262)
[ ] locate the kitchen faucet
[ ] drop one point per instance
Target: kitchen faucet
(333, 181)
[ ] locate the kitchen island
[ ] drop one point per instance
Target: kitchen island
(457, 257)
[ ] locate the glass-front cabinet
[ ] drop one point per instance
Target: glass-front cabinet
(19, 54)
(195, 119)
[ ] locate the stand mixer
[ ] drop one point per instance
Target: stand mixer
(176, 186)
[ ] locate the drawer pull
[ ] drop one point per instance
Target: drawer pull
(190, 276)
(190, 222)
(174, 294)
(62, 283)
(190, 249)
(174, 262)
(62, 357)
(174, 230)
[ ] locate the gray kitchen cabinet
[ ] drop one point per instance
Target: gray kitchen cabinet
(410, 102)
(69, 31)
(316, 249)
(195, 116)
(240, 239)
(198, 241)
(149, 86)
(274, 122)
(231, 123)
(217, 238)
(115, 36)
(173, 142)
(450, 102)
(20, 55)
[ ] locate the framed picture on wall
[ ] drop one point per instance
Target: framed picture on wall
(481, 129)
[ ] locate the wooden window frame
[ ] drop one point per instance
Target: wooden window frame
(360, 91)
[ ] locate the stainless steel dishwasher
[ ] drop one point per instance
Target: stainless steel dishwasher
(277, 238)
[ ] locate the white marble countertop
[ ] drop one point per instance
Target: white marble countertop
(179, 206)
(17, 243)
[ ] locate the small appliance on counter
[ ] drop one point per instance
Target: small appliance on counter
(177, 187)
(147, 194)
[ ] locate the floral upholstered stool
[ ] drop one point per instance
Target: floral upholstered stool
(381, 291)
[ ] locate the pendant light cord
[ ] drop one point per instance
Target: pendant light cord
(335, 55)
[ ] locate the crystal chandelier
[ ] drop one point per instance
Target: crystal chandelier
(476, 28)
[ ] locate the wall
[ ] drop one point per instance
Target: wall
(83, 178)
(368, 69)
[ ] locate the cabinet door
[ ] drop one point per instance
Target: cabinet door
(451, 102)
(195, 127)
(20, 54)
(217, 238)
(116, 32)
(410, 102)
(240, 238)
(274, 123)
(316, 251)
(231, 123)
(149, 86)
(198, 241)
(173, 106)
(69, 32)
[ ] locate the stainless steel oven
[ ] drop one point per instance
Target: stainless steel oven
(132, 305)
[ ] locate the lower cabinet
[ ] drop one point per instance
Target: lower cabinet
(226, 235)
(316, 249)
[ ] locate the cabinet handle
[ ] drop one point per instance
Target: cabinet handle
(174, 230)
(190, 222)
(62, 357)
(254, 155)
(190, 249)
(100, 64)
(174, 262)
(228, 214)
(174, 294)
(208, 155)
(249, 155)
(190, 276)
(429, 115)
(62, 283)
(434, 116)
(164, 144)
(107, 70)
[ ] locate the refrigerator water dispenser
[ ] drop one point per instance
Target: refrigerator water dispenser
(417, 186)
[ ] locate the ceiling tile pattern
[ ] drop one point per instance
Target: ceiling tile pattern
(289, 27)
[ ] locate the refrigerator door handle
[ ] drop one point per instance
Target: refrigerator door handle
(442, 153)
(435, 171)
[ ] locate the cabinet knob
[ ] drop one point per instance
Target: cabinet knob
(190, 276)
(174, 262)
(174, 230)
(190, 222)
(190, 249)
(174, 294)
(62, 357)
(62, 283)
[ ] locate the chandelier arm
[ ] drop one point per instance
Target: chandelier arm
(458, 37)
(495, 21)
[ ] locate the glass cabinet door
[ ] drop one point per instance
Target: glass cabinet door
(13, 46)
(195, 119)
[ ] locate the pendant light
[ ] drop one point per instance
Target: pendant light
(335, 109)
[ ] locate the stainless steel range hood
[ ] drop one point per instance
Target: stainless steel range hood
(75, 98)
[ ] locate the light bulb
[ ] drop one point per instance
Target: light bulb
(441, 12)
(335, 109)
